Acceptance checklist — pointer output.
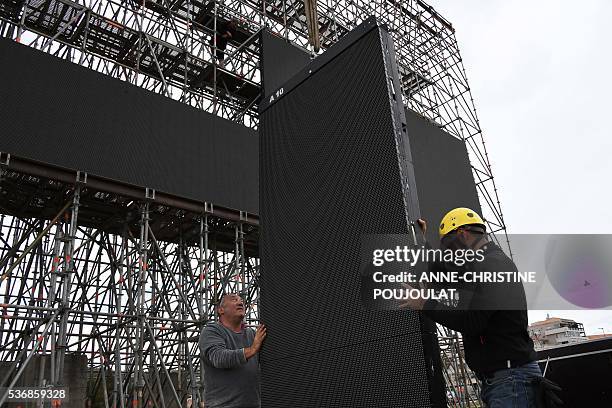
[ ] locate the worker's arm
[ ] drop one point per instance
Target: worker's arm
(253, 349)
(214, 351)
(477, 306)
(465, 321)
(467, 317)
(226, 31)
(221, 357)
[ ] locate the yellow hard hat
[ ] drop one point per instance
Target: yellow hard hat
(459, 217)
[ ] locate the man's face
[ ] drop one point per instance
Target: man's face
(459, 239)
(468, 238)
(232, 306)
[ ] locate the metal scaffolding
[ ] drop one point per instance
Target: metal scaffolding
(168, 46)
(117, 276)
(462, 386)
(127, 277)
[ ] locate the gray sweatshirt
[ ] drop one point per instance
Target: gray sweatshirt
(230, 381)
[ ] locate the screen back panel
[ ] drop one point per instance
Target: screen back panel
(280, 60)
(334, 166)
(442, 170)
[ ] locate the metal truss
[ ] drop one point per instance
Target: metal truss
(96, 279)
(169, 47)
(463, 388)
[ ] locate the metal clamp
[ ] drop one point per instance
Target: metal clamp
(412, 230)
(149, 193)
(244, 216)
(5, 159)
(81, 177)
(208, 208)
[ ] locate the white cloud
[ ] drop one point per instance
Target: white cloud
(539, 73)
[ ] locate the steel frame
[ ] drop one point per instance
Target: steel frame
(463, 388)
(165, 46)
(168, 47)
(133, 304)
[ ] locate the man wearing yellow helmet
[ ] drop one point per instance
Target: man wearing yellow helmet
(496, 342)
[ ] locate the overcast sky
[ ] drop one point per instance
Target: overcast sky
(541, 76)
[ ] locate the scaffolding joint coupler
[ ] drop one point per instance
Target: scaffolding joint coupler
(149, 194)
(63, 308)
(244, 216)
(81, 177)
(208, 208)
(5, 159)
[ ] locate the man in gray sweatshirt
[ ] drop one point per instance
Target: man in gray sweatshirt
(229, 354)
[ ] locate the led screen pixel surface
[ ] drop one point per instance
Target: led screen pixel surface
(442, 167)
(280, 60)
(329, 173)
(442, 170)
(57, 112)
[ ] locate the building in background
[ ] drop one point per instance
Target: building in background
(599, 336)
(556, 331)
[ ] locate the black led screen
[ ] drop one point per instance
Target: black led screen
(333, 166)
(57, 112)
(442, 170)
(280, 60)
(441, 164)
(583, 371)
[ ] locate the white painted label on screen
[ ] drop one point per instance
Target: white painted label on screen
(276, 94)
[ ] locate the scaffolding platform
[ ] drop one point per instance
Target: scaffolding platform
(33, 190)
(84, 29)
(116, 131)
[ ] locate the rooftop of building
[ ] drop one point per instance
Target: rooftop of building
(551, 320)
